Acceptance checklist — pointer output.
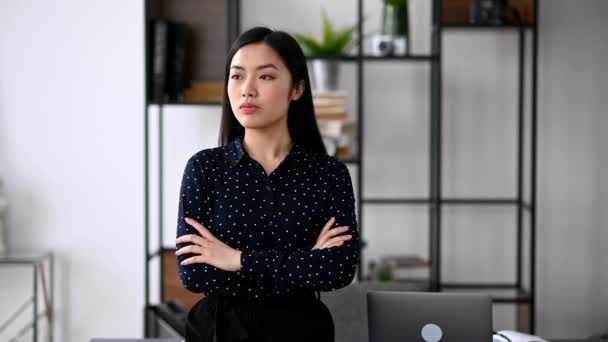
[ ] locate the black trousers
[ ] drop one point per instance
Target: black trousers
(278, 319)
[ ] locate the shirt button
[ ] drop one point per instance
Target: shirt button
(268, 187)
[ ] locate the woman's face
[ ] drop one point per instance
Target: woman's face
(260, 87)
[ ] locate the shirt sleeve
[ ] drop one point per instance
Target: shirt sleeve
(320, 270)
(194, 202)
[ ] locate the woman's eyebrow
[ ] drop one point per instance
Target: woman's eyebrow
(263, 66)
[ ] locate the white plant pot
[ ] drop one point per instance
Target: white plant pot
(324, 74)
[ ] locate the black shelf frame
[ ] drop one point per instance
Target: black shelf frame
(447, 201)
(356, 58)
(232, 9)
(435, 200)
(521, 294)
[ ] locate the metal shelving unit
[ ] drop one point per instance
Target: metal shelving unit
(232, 9)
(38, 260)
(502, 293)
(514, 293)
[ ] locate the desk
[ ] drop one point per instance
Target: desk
(178, 340)
(36, 260)
(137, 340)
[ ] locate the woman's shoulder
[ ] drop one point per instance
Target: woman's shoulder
(208, 155)
(326, 161)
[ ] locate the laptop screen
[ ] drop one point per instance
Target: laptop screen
(429, 316)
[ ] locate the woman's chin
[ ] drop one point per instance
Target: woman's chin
(259, 120)
(251, 123)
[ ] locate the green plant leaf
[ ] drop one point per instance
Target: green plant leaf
(328, 31)
(396, 2)
(343, 39)
(332, 43)
(308, 43)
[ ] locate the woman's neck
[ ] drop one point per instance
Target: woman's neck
(267, 145)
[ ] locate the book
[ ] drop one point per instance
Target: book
(331, 128)
(329, 94)
(168, 53)
(159, 59)
(203, 91)
(340, 116)
(321, 102)
(404, 261)
(178, 44)
(329, 109)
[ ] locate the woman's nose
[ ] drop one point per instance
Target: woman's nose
(248, 89)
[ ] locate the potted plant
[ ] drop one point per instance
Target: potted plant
(394, 38)
(325, 72)
(395, 19)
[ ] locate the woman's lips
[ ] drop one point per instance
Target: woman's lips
(249, 109)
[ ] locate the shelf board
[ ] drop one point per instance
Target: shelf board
(413, 58)
(444, 201)
(396, 200)
(159, 251)
(500, 293)
(199, 103)
(467, 26)
(416, 285)
(351, 161)
(354, 58)
(24, 256)
(484, 201)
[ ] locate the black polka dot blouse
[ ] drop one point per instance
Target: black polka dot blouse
(274, 220)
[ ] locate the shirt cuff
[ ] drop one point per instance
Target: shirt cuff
(247, 262)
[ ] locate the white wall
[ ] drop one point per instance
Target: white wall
(573, 188)
(71, 95)
(71, 142)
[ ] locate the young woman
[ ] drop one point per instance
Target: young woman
(267, 220)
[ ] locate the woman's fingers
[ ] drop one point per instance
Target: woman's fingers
(200, 228)
(328, 225)
(336, 231)
(199, 259)
(193, 249)
(335, 240)
(327, 232)
(192, 238)
(337, 244)
(321, 237)
(332, 232)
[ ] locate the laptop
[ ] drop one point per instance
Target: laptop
(428, 316)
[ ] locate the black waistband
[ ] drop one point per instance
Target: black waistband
(201, 325)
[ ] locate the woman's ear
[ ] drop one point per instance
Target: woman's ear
(298, 90)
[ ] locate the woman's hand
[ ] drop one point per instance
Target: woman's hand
(327, 238)
(210, 249)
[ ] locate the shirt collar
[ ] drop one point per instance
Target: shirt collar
(236, 152)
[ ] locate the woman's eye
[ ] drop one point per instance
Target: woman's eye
(266, 77)
(235, 77)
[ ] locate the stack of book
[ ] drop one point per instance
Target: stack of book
(205, 91)
(332, 118)
(400, 268)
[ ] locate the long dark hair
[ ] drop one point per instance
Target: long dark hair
(301, 120)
